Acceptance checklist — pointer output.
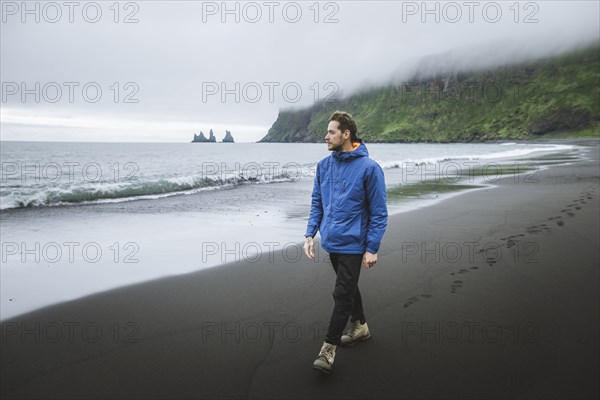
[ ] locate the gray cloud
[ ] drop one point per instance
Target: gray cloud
(176, 51)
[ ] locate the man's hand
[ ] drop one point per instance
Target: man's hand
(369, 259)
(308, 248)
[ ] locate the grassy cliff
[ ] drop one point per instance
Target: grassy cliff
(552, 97)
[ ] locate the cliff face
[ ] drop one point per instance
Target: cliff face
(228, 138)
(529, 100)
(292, 126)
(202, 139)
(212, 139)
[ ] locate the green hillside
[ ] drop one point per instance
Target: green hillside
(553, 97)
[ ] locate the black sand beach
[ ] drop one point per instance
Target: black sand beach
(519, 319)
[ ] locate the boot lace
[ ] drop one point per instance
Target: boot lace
(327, 352)
(355, 329)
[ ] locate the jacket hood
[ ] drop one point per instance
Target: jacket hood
(360, 150)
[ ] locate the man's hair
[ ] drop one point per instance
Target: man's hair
(346, 122)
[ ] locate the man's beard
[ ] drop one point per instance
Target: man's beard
(338, 148)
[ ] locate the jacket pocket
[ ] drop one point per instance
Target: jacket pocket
(356, 231)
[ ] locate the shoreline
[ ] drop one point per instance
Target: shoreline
(541, 139)
(37, 205)
(244, 251)
(525, 309)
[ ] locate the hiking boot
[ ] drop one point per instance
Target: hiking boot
(324, 361)
(357, 333)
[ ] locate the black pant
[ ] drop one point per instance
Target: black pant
(348, 303)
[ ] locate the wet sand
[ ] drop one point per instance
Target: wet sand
(489, 294)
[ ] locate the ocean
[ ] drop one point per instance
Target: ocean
(80, 218)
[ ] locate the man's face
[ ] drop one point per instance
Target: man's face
(335, 139)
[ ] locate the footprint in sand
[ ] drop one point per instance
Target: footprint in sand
(534, 229)
(455, 285)
(570, 214)
(414, 299)
(559, 221)
(474, 268)
(510, 242)
(492, 260)
(578, 208)
(410, 301)
(461, 271)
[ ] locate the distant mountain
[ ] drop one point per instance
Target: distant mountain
(556, 96)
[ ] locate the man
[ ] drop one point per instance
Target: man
(349, 209)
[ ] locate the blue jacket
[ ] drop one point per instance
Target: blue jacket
(349, 202)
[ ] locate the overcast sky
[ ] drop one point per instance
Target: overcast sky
(162, 71)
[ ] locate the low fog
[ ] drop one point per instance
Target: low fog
(166, 71)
